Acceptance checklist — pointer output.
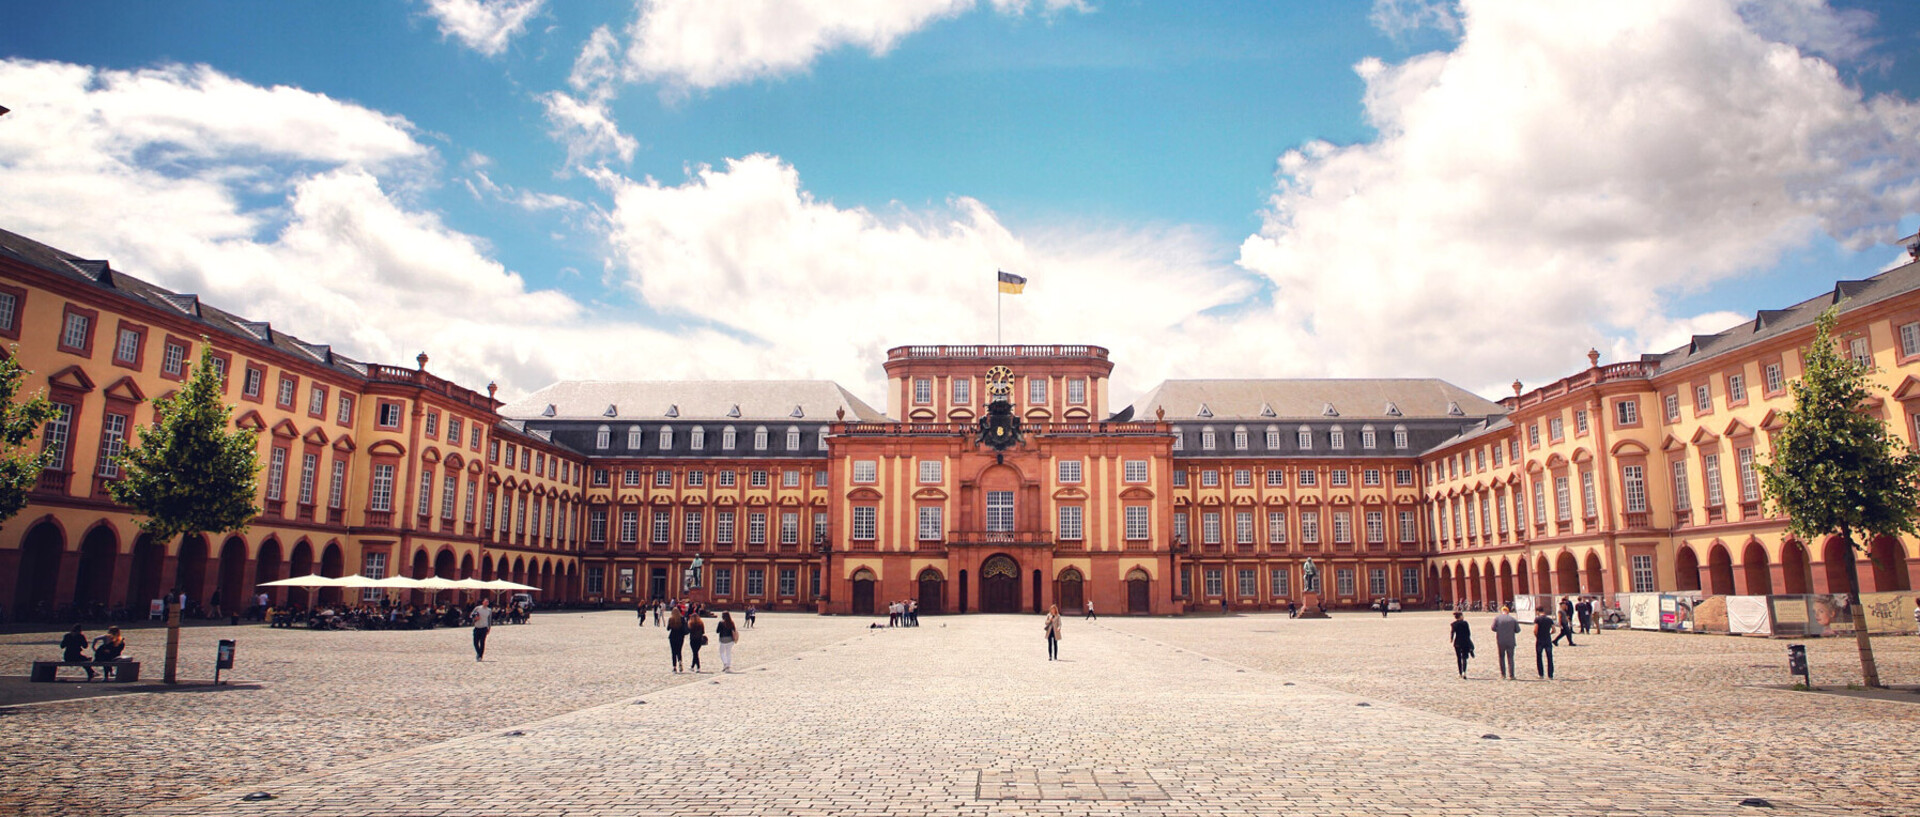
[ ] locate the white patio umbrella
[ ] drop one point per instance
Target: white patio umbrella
(310, 580)
(355, 580)
(399, 583)
(437, 583)
(472, 584)
(503, 584)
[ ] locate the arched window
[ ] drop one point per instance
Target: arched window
(1273, 438)
(1179, 440)
(1399, 436)
(666, 437)
(698, 438)
(1206, 438)
(1368, 439)
(1240, 438)
(793, 438)
(823, 438)
(727, 438)
(760, 438)
(1336, 438)
(1304, 437)
(603, 438)
(633, 438)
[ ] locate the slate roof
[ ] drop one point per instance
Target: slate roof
(670, 401)
(1770, 323)
(1310, 399)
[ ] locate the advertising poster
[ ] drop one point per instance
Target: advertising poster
(1888, 612)
(1746, 615)
(1710, 615)
(1676, 611)
(1792, 615)
(1830, 615)
(1643, 611)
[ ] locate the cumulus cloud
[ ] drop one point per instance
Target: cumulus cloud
(154, 170)
(746, 247)
(586, 128)
(486, 26)
(1397, 18)
(1559, 177)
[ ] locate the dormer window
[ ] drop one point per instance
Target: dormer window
(1327, 410)
(735, 411)
(823, 438)
(633, 438)
(1273, 438)
(1453, 409)
(1304, 438)
(1179, 440)
(612, 411)
(698, 438)
(1392, 410)
(603, 438)
(793, 438)
(728, 437)
(666, 437)
(673, 410)
(1204, 411)
(797, 413)
(1206, 439)
(1240, 438)
(1368, 440)
(1400, 437)
(760, 438)
(549, 411)
(1337, 438)
(1266, 410)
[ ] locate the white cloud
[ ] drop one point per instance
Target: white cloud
(1558, 178)
(830, 289)
(586, 128)
(149, 169)
(1397, 18)
(486, 26)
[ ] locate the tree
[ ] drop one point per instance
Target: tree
(189, 473)
(19, 469)
(1836, 471)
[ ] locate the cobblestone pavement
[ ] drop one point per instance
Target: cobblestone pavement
(1143, 717)
(1239, 715)
(324, 699)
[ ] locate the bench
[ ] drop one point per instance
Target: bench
(43, 671)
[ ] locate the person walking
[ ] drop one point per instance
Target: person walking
(1090, 616)
(1566, 623)
(1543, 625)
(75, 644)
(1053, 633)
(751, 609)
(482, 624)
(642, 608)
(696, 638)
(1506, 636)
(676, 636)
(729, 635)
(1462, 637)
(658, 609)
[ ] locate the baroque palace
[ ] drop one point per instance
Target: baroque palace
(1203, 494)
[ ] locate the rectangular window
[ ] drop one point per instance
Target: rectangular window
(381, 497)
(77, 336)
(1179, 478)
(1633, 479)
(449, 493)
(1337, 439)
(756, 581)
(865, 471)
(663, 478)
(1642, 573)
(1240, 439)
(1136, 517)
(1409, 581)
(1281, 583)
(1309, 478)
(1276, 527)
(922, 390)
(9, 310)
(757, 478)
(820, 478)
(284, 397)
(930, 523)
(1626, 412)
(390, 418)
(127, 350)
(1562, 501)
(1304, 440)
(1276, 478)
(629, 527)
(1310, 527)
(1377, 581)
(962, 391)
(113, 440)
(1500, 503)
(1070, 523)
(1775, 382)
(1207, 440)
(930, 472)
(1672, 401)
(1749, 476)
(374, 566)
(337, 485)
(596, 578)
(696, 479)
(1710, 466)
(1243, 527)
(1000, 511)
(863, 521)
(723, 527)
(1682, 496)
(1408, 527)
(1069, 471)
(1076, 391)
(251, 384)
(1036, 390)
(789, 581)
(790, 478)
(1370, 477)
(1338, 478)
(597, 525)
(1533, 435)
(693, 527)
(1403, 477)
(173, 359)
(723, 581)
(728, 479)
(1135, 471)
(1343, 581)
(1209, 478)
(1702, 398)
(1180, 530)
(790, 528)
(1376, 527)
(1242, 477)
(1215, 582)
(1556, 429)
(662, 527)
(1579, 422)
(630, 478)
(1861, 353)
(1539, 502)
(1587, 507)
(309, 473)
(1736, 389)
(1399, 438)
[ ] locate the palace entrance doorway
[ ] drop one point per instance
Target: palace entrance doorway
(863, 592)
(1000, 585)
(1137, 601)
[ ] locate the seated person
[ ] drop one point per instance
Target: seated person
(73, 646)
(107, 648)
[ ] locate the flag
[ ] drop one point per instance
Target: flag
(1011, 283)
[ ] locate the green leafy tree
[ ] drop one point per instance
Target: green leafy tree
(1836, 471)
(190, 473)
(19, 421)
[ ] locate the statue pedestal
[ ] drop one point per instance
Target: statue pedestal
(697, 595)
(1310, 607)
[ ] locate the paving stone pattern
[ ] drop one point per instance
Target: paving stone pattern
(1236, 715)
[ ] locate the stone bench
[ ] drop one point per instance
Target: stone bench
(43, 671)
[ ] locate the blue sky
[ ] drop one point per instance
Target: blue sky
(782, 188)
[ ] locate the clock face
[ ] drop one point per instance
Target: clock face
(1000, 374)
(999, 389)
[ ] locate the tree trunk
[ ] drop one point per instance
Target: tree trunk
(172, 608)
(1868, 671)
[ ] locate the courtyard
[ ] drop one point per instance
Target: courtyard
(578, 713)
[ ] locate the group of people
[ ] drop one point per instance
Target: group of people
(904, 613)
(107, 649)
(687, 632)
(1548, 630)
(385, 615)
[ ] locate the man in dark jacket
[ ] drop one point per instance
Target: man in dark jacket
(1543, 644)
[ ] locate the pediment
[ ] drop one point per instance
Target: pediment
(817, 501)
(1407, 499)
(1702, 436)
(863, 494)
(285, 429)
(126, 388)
(1554, 460)
(1277, 501)
(1342, 499)
(1909, 389)
(1068, 493)
(1582, 455)
(314, 436)
(387, 448)
(1136, 492)
(725, 501)
(345, 443)
(1076, 414)
(431, 454)
(73, 378)
(788, 501)
(1243, 499)
(1181, 501)
(1211, 500)
(1774, 420)
(662, 499)
(696, 500)
(629, 499)
(473, 466)
(1309, 499)
(1038, 414)
(1736, 428)
(960, 415)
(250, 420)
(1373, 499)
(1629, 448)
(1672, 443)
(922, 415)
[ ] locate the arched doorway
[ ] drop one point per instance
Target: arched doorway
(1542, 575)
(266, 567)
(419, 571)
(1753, 563)
(233, 578)
(962, 595)
(91, 582)
(143, 580)
(1037, 579)
(1889, 564)
(1506, 580)
(1719, 572)
(443, 568)
(1567, 573)
(1072, 597)
(40, 553)
(1835, 555)
(190, 570)
(1793, 568)
(300, 564)
(1138, 589)
(486, 568)
(1686, 569)
(932, 592)
(863, 592)
(1596, 575)
(332, 565)
(1000, 585)
(1476, 589)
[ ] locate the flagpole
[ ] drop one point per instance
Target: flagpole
(998, 296)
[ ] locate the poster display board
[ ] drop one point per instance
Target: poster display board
(1676, 611)
(1643, 611)
(1792, 615)
(1710, 615)
(1747, 615)
(1889, 612)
